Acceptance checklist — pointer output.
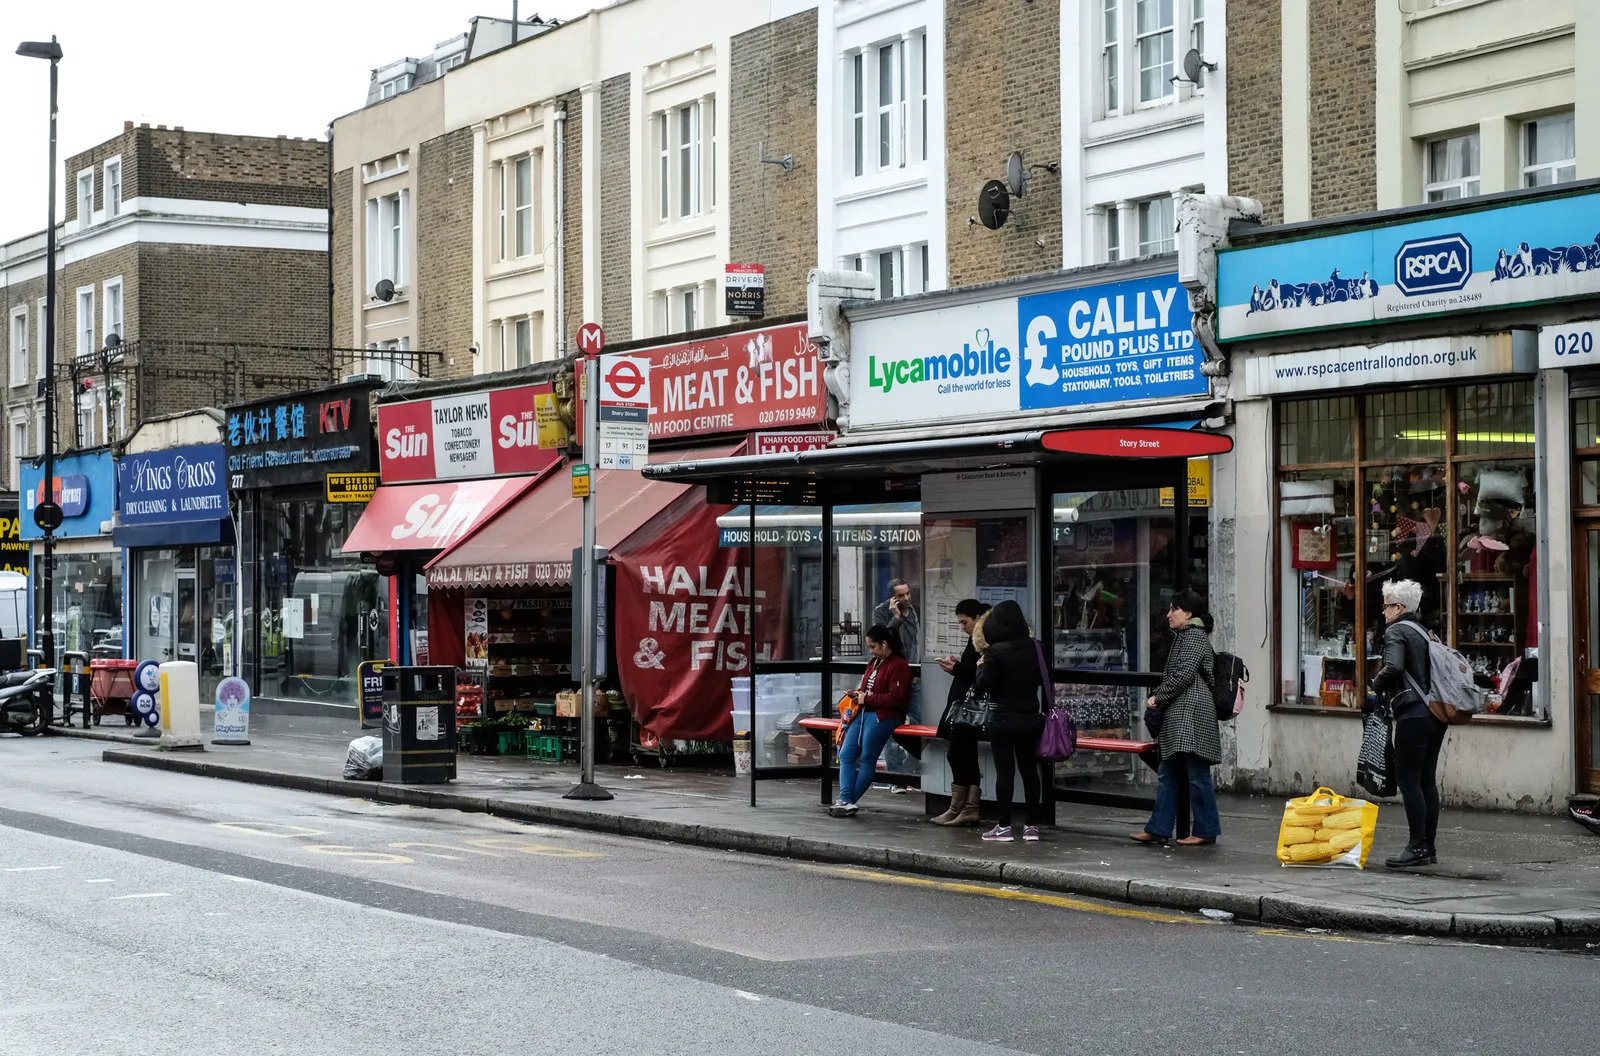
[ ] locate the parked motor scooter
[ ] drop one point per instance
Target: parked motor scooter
(27, 699)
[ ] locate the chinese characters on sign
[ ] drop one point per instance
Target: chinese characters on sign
(298, 439)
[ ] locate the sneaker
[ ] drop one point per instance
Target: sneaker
(1030, 833)
(999, 834)
(843, 810)
(903, 790)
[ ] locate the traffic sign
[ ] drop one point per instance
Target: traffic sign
(624, 416)
(580, 480)
(48, 516)
(591, 339)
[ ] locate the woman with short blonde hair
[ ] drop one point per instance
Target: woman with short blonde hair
(1400, 684)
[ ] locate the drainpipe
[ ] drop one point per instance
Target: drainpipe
(561, 232)
(330, 242)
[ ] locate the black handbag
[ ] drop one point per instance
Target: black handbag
(1152, 720)
(973, 713)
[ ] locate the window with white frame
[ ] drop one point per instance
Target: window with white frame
(524, 342)
(1453, 168)
(887, 83)
(890, 269)
(1113, 222)
(1110, 53)
(525, 215)
(921, 41)
(112, 323)
(385, 360)
(676, 311)
(44, 321)
(926, 268)
(664, 167)
(1153, 33)
(1141, 74)
(1549, 151)
(113, 406)
(503, 197)
(86, 346)
(685, 142)
(113, 187)
(858, 112)
(1157, 226)
(386, 240)
(688, 119)
(19, 450)
(86, 419)
(19, 346)
(85, 198)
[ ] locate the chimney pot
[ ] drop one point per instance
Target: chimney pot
(127, 126)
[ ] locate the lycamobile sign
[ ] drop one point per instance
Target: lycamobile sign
(1111, 343)
(972, 369)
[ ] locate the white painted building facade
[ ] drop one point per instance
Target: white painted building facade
(1136, 131)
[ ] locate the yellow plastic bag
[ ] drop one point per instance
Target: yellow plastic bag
(1325, 828)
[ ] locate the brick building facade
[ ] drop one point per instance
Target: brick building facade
(205, 256)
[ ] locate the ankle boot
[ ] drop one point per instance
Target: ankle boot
(1414, 855)
(958, 799)
(969, 809)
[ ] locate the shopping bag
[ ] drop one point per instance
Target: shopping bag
(1375, 763)
(1327, 829)
(847, 713)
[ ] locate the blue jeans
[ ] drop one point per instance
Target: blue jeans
(1177, 768)
(858, 755)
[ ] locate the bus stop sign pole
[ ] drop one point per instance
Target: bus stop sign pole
(586, 788)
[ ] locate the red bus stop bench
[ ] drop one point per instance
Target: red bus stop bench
(911, 737)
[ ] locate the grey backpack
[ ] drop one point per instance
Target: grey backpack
(1452, 695)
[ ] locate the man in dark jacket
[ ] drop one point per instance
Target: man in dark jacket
(1418, 736)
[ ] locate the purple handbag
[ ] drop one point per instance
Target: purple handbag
(1060, 737)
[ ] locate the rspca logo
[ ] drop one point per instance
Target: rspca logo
(1433, 265)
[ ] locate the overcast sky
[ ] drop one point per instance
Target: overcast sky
(281, 68)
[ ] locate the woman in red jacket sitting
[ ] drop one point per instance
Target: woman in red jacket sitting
(882, 701)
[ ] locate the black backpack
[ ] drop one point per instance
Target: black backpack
(1227, 677)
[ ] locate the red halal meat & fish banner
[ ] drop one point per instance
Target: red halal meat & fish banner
(684, 619)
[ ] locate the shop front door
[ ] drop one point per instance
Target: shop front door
(1587, 705)
(187, 631)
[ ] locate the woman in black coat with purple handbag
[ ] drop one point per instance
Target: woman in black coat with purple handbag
(1010, 675)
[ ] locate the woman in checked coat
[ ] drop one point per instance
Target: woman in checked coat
(1190, 741)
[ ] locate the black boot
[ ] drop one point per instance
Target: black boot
(1416, 853)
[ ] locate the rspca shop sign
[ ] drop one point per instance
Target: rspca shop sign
(1114, 343)
(1470, 260)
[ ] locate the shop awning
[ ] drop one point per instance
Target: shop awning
(531, 540)
(213, 531)
(910, 458)
(431, 516)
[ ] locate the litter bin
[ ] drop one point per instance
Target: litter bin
(419, 725)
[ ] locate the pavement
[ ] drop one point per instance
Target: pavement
(1502, 878)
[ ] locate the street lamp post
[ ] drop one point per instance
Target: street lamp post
(46, 513)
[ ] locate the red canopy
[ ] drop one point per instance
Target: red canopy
(531, 540)
(431, 516)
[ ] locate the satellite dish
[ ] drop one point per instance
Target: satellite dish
(1016, 174)
(384, 290)
(994, 205)
(1193, 64)
(113, 341)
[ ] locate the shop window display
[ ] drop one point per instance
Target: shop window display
(87, 603)
(1428, 485)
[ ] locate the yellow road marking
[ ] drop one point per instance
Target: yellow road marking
(444, 847)
(344, 851)
(1285, 933)
(516, 843)
(258, 830)
(956, 887)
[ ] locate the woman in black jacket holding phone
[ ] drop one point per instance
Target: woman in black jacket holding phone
(966, 779)
(1010, 673)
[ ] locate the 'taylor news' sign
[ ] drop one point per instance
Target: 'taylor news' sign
(477, 434)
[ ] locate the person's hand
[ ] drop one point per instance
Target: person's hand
(947, 664)
(1150, 701)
